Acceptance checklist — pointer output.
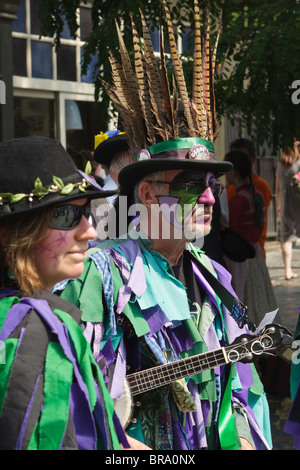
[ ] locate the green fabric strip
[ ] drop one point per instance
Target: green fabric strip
(5, 304)
(227, 429)
(58, 379)
(5, 368)
(78, 292)
(89, 371)
(180, 143)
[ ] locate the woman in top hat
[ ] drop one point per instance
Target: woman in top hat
(52, 394)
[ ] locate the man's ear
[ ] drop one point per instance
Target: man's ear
(147, 194)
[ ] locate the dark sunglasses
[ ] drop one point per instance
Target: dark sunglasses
(194, 187)
(69, 216)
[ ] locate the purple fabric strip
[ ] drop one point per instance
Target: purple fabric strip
(98, 334)
(84, 425)
(206, 286)
(13, 318)
(180, 338)
(23, 427)
(155, 318)
(7, 292)
(108, 352)
(116, 386)
(120, 432)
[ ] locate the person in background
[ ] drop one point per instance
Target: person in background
(112, 152)
(247, 146)
(52, 393)
(250, 278)
(288, 204)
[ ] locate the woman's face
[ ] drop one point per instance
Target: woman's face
(61, 253)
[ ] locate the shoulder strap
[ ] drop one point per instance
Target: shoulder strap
(235, 307)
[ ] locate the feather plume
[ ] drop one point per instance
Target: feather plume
(140, 70)
(153, 79)
(167, 102)
(132, 87)
(179, 72)
(197, 93)
(151, 110)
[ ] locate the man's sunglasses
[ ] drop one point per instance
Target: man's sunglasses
(69, 216)
(194, 187)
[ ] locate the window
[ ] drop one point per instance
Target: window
(34, 56)
(33, 116)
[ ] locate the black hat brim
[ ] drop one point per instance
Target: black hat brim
(132, 173)
(108, 148)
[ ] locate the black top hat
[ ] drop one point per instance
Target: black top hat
(37, 172)
(108, 144)
(185, 153)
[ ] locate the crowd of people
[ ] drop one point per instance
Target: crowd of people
(123, 343)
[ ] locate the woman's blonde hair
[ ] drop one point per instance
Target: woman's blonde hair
(289, 155)
(18, 240)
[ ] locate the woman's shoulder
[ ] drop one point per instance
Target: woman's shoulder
(56, 302)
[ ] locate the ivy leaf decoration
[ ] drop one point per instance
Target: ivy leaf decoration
(17, 197)
(67, 189)
(39, 190)
(5, 196)
(58, 182)
(88, 168)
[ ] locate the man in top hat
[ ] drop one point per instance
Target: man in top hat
(147, 299)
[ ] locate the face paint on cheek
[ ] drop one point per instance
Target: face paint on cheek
(185, 206)
(52, 246)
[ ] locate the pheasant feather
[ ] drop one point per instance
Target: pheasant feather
(141, 76)
(179, 72)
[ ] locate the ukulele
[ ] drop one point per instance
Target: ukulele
(273, 340)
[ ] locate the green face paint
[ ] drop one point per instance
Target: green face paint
(185, 205)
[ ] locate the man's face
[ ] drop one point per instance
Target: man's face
(191, 195)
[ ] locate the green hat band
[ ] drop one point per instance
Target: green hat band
(192, 148)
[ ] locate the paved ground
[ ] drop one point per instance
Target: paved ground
(288, 298)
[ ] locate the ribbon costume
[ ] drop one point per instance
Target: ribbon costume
(46, 416)
(52, 393)
(138, 310)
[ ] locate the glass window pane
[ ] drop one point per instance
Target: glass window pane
(187, 41)
(41, 58)
(33, 116)
(91, 71)
(65, 34)
(85, 23)
(154, 35)
(19, 57)
(19, 25)
(35, 23)
(66, 63)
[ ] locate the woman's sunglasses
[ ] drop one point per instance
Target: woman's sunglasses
(69, 216)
